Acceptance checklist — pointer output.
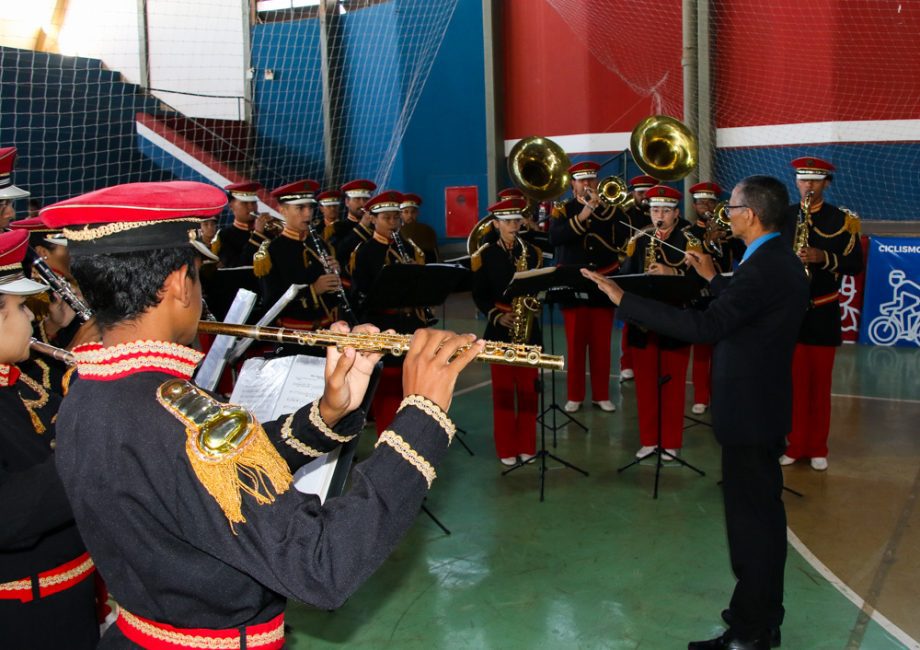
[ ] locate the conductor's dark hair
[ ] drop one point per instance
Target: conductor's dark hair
(768, 198)
(120, 287)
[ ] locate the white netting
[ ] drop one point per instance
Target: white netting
(837, 79)
(211, 90)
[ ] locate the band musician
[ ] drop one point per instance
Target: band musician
(385, 247)
(358, 225)
(296, 257)
(330, 204)
(237, 243)
(586, 231)
(494, 264)
(830, 249)
(648, 255)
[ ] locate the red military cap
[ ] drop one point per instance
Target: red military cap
(297, 193)
(707, 190)
(812, 169)
(642, 182)
(410, 201)
(136, 217)
(663, 195)
(8, 191)
(359, 189)
(40, 234)
(387, 201)
(583, 170)
(510, 193)
(329, 197)
(512, 208)
(246, 192)
(13, 246)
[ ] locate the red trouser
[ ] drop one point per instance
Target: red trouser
(702, 366)
(812, 369)
(673, 393)
(626, 358)
(588, 329)
(388, 397)
(515, 429)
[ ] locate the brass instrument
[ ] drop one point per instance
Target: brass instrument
(718, 228)
(800, 242)
(482, 228)
(50, 351)
(539, 167)
(273, 227)
(651, 253)
(663, 147)
(523, 308)
(331, 269)
(510, 354)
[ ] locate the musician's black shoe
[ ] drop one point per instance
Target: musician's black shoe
(729, 642)
(776, 637)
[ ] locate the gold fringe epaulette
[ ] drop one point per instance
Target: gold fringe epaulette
(476, 258)
(228, 450)
(215, 244)
(852, 223)
(66, 379)
(631, 247)
(262, 260)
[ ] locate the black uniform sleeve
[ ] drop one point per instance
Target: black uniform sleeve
(566, 229)
(32, 503)
(302, 436)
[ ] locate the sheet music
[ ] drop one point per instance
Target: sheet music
(213, 365)
(272, 389)
(269, 316)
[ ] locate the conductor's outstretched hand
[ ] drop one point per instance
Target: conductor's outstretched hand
(347, 375)
(433, 363)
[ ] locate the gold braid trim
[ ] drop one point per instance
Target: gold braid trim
(287, 435)
(227, 448)
(430, 408)
(199, 642)
(81, 569)
(33, 404)
(317, 420)
(91, 234)
(404, 449)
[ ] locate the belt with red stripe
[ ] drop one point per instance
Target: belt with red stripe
(151, 635)
(825, 299)
(50, 582)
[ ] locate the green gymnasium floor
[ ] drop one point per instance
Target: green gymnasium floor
(600, 564)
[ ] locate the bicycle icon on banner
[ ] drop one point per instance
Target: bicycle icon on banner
(899, 319)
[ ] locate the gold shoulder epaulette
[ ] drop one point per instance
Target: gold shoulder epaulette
(215, 244)
(476, 257)
(227, 448)
(262, 260)
(558, 211)
(631, 246)
(852, 221)
(66, 379)
(353, 258)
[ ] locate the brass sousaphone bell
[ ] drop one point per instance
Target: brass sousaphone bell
(664, 148)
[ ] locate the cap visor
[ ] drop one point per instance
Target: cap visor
(204, 251)
(13, 192)
(23, 287)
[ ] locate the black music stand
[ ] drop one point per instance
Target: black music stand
(542, 281)
(675, 290)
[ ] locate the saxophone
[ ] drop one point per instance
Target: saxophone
(651, 252)
(523, 308)
(801, 230)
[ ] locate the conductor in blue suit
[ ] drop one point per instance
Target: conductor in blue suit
(753, 322)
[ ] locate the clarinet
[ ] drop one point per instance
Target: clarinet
(401, 251)
(328, 268)
(62, 288)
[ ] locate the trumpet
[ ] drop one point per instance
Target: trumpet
(274, 226)
(50, 351)
(509, 354)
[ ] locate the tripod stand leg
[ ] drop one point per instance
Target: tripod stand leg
(435, 519)
(462, 441)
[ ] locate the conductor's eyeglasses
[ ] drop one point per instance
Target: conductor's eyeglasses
(729, 208)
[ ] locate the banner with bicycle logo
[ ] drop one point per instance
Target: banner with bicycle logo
(891, 306)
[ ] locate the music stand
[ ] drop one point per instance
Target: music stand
(674, 290)
(541, 281)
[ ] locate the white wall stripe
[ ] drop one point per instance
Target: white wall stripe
(190, 161)
(770, 135)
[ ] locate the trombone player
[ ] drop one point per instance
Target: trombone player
(586, 231)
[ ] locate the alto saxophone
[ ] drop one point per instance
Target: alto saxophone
(801, 230)
(523, 308)
(651, 252)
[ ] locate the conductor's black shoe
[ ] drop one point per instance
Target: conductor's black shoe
(776, 637)
(729, 642)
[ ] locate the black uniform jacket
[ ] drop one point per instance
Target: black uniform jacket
(297, 262)
(235, 246)
(497, 267)
(368, 259)
(753, 322)
(635, 263)
(355, 235)
(163, 543)
(837, 234)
